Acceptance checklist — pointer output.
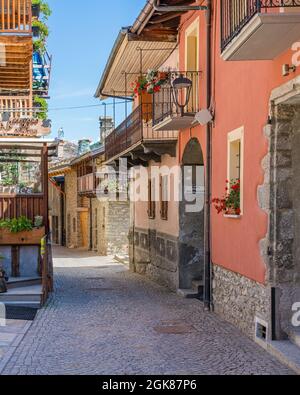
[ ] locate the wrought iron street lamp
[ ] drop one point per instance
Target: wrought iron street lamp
(182, 88)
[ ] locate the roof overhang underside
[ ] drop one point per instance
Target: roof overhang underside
(15, 61)
(128, 60)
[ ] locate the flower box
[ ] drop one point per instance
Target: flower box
(32, 237)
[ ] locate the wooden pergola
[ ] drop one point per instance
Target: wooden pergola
(29, 205)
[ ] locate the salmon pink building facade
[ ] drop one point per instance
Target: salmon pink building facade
(237, 123)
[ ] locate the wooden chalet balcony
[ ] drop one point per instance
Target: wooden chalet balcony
(88, 184)
(15, 16)
(17, 105)
(258, 29)
(166, 113)
(136, 140)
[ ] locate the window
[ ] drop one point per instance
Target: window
(164, 197)
(235, 166)
(151, 199)
(192, 61)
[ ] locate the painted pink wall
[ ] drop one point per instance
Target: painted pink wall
(241, 93)
(171, 226)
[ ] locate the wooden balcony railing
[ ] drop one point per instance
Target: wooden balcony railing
(17, 106)
(16, 16)
(87, 183)
(235, 14)
(164, 103)
(136, 128)
(14, 206)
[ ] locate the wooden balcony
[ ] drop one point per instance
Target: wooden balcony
(15, 17)
(258, 29)
(15, 64)
(14, 206)
(19, 106)
(136, 140)
(87, 185)
(166, 113)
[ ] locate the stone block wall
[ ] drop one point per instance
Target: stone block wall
(155, 255)
(240, 300)
(72, 217)
(117, 227)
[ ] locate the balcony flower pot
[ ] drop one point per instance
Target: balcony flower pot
(36, 9)
(31, 237)
(36, 31)
(146, 101)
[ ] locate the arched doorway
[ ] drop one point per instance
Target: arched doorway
(191, 218)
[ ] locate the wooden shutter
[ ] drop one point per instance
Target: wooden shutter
(164, 203)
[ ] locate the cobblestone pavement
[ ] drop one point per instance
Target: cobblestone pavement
(103, 319)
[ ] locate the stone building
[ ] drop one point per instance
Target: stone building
(81, 217)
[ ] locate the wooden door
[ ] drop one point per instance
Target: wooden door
(84, 216)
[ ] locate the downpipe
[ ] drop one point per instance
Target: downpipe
(208, 189)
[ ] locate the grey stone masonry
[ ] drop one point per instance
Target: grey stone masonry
(279, 197)
(117, 227)
(156, 255)
(240, 300)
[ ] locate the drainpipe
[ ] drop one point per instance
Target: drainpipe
(207, 230)
(207, 257)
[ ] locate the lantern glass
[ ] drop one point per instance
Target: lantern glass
(182, 88)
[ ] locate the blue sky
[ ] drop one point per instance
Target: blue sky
(82, 36)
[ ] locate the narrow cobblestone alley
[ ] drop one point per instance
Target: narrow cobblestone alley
(102, 319)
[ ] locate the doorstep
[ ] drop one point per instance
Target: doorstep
(285, 351)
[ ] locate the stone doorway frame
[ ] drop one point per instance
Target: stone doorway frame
(276, 198)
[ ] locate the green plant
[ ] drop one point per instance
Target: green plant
(16, 225)
(43, 28)
(39, 46)
(44, 7)
(42, 105)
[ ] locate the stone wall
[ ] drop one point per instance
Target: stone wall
(117, 227)
(239, 300)
(72, 217)
(110, 227)
(155, 255)
(279, 197)
(55, 209)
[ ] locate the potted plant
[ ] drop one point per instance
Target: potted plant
(42, 105)
(155, 80)
(39, 29)
(36, 8)
(230, 204)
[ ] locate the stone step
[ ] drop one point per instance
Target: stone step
(188, 293)
(287, 352)
(198, 285)
(295, 336)
(21, 282)
(23, 295)
(32, 305)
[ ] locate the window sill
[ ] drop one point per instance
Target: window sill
(232, 216)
